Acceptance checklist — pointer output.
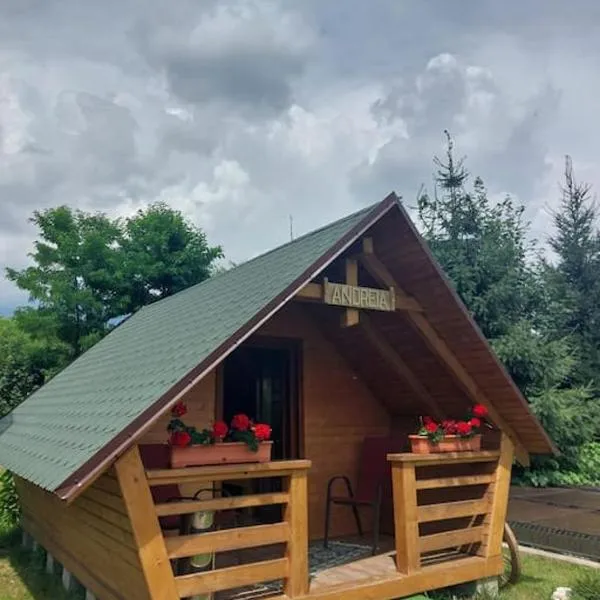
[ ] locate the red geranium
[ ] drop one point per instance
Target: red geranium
(427, 420)
(262, 431)
(240, 422)
(431, 426)
(475, 422)
(463, 428)
(449, 426)
(179, 409)
(479, 410)
(180, 438)
(220, 430)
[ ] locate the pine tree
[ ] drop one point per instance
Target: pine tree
(574, 280)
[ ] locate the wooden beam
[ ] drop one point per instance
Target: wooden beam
(439, 347)
(392, 357)
(311, 291)
(492, 545)
(296, 518)
(231, 577)
(231, 472)
(187, 507)
(406, 527)
(452, 510)
(451, 539)
(145, 526)
(236, 538)
(351, 316)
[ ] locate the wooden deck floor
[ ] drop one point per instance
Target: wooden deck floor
(381, 566)
(376, 578)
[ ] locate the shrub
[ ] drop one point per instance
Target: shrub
(10, 510)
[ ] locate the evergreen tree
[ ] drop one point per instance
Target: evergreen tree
(482, 247)
(573, 281)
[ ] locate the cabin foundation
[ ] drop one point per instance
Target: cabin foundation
(49, 566)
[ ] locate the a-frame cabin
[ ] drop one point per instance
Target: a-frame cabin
(331, 366)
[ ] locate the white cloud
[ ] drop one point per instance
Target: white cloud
(242, 113)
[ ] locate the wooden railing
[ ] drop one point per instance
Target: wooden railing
(449, 504)
(292, 531)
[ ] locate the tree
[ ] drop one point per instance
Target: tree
(89, 269)
(482, 247)
(163, 253)
(23, 365)
(573, 281)
(72, 279)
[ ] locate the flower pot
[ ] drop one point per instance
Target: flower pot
(421, 444)
(219, 454)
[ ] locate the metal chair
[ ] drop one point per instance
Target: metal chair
(373, 470)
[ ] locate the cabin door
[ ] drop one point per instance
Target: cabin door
(260, 380)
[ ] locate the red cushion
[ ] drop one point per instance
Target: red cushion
(374, 466)
(158, 456)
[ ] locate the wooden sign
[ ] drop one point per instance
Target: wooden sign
(353, 296)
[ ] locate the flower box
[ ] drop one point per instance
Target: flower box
(421, 444)
(219, 454)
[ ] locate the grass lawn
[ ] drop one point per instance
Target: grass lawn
(22, 575)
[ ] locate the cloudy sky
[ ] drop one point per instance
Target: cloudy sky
(241, 113)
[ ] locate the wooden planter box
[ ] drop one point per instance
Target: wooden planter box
(450, 443)
(219, 454)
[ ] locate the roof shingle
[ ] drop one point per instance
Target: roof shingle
(76, 414)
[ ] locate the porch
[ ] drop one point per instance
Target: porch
(449, 513)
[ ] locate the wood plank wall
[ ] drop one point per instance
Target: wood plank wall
(201, 402)
(92, 537)
(339, 412)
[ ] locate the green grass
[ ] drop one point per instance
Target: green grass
(22, 575)
(542, 576)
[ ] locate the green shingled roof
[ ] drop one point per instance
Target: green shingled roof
(58, 429)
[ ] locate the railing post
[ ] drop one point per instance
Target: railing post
(296, 516)
(500, 488)
(408, 559)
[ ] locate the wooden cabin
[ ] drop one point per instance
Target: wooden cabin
(338, 338)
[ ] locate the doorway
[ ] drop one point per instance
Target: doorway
(261, 380)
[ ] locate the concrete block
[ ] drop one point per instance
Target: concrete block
(67, 579)
(487, 588)
(25, 539)
(49, 564)
(483, 589)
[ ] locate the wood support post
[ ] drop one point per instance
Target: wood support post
(499, 490)
(351, 316)
(296, 516)
(406, 525)
(145, 526)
